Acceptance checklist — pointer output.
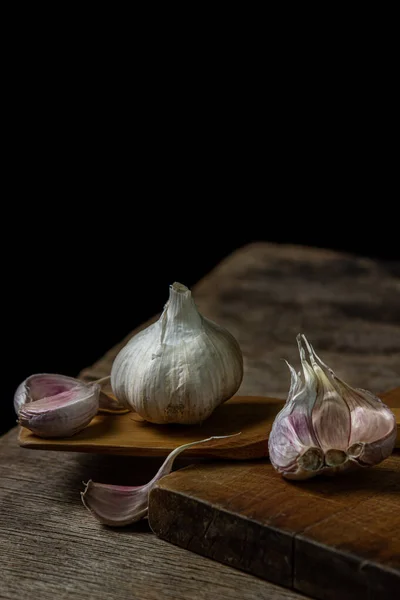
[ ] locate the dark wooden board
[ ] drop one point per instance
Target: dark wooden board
(264, 294)
(51, 548)
(330, 537)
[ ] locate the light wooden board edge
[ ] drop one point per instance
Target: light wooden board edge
(255, 447)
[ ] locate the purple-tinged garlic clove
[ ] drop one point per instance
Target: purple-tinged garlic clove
(116, 505)
(42, 385)
(119, 506)
(53, 405)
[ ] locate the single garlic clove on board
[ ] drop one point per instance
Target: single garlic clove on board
(117, 505)
(327, 426)
(179, 369)
(53, 405)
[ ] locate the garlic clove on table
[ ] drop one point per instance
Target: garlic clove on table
(179, 369)
(53, 405)
(116, 505)
(327, 426)
(119, 506)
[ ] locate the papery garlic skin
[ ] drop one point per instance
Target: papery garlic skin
(52, 405)
(327, 426)
(179, 369)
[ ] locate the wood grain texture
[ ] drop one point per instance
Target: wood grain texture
(265, 294)
(330, 537)
(51, 547)
(128, 434)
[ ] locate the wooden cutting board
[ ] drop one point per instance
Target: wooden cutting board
(129, 434)
(333, 538)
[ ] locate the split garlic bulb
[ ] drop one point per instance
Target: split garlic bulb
(179, 369)
(327, 426)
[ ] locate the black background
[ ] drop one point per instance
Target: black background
(86, 274)
(117, 183)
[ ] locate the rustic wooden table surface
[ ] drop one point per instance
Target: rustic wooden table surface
(50, 547)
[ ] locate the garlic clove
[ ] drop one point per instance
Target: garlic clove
(290, 437)
(373, 428)
(327, 426)
(285, 446)
(55, 405)
(293, 435)
(180, 368)
(301, 402)
(370, 418)
(117, 505)
(375, 452)
(330, 414)
(40, 386)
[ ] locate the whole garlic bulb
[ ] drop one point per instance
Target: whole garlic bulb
(179, 369)
(327, 426)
